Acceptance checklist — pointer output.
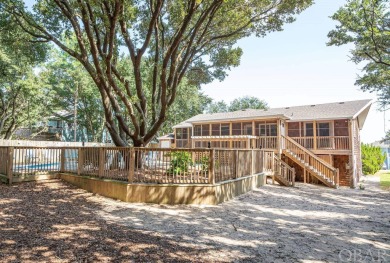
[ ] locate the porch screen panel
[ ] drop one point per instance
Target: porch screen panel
(236, 128)
(247, 128)
(273, 130)
(341, 128)
(309, 129)
(323, 129)
(293, 129)
(215, 130)
(197, 130)
(179, 133)
(225, 129)
(205, 130)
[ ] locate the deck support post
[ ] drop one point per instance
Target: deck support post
(236, 160)
(293, 176)
(314, 135)
(211, 178)
(253, 162)
(273, 167)
(80, 161)
(10, 164)
(132, 165)
(101, 161)
(62, 160)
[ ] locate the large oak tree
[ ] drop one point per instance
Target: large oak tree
(366, 25)
(173, 39)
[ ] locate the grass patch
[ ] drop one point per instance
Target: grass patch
(384, 179)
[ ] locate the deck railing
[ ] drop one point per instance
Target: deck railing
(324, 142)
(311, 160)
(267, 142)
(136, 165)
(232, 164)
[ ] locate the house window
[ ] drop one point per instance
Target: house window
(323, 129)
(225, 129)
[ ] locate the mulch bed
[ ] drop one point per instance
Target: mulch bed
(55, 222)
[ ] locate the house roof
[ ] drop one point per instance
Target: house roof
(60, 115)
(327, 111)
(168, 136)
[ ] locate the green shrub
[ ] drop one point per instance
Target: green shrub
(180, 162)
(372, 158)
(204, 163)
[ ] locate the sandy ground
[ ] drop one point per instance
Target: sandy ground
(55, 222)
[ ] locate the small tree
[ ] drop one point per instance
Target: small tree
(372, 158)
(180, 162)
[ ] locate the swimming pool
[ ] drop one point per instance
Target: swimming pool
(42, 166)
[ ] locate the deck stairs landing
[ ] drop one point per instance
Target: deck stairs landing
(311, 163)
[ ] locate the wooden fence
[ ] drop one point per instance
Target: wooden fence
(136, 165)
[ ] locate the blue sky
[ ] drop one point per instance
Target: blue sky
(295, 67)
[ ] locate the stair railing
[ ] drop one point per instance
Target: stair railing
(284, 171)
(316, 164)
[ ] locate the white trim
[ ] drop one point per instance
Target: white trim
(255, 118)
(362, 109)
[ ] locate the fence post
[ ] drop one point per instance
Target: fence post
(80, 161)
(263, 160)
(62, 167)
(253, 163)
(337, 177)
(273, 167)
(10, 162)
(236, 159)
(211, 167)
(293, 177)
(101, 161)
(132, 165)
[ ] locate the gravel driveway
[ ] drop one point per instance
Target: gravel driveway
(55, 222)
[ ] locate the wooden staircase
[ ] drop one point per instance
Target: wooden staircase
(312, 164)
(283, 173)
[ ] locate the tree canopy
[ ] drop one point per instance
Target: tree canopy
(247, 102)
(365, 24)
(242, 103)
(172, 39)
(22, 97)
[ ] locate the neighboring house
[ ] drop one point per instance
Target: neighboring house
(59, 127)
(385, 147)
(303, 136)
(166, 141)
